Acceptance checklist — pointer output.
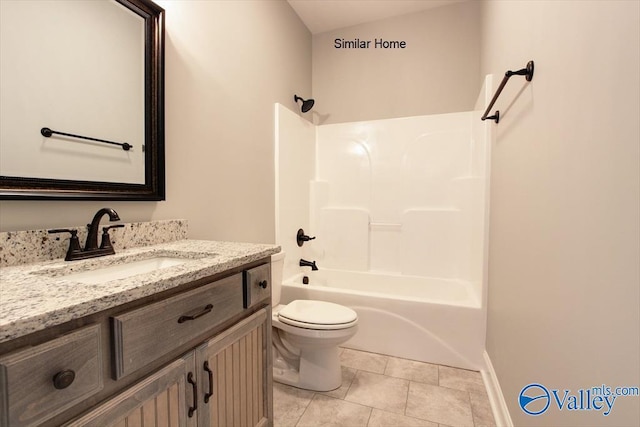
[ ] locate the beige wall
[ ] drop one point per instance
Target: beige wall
(564, 279)
(438, 71)
(227, 63)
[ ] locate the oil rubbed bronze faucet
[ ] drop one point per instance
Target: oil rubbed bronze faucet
(92, 238)
(91, 249)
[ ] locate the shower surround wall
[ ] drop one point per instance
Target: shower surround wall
(399, 209)
(401, 196)
(294, 170)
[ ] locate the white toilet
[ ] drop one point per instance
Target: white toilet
(306, 335)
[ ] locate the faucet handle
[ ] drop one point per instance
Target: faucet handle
(301, 237)
(105, 229)
(74, 242)
(62, 230)
(106, 241)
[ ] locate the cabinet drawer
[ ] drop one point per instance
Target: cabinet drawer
(143, 335)
(42, 381)
(257, 285)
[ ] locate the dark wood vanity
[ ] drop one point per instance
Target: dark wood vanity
(195, 355)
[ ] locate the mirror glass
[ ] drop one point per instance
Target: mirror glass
(81, 86)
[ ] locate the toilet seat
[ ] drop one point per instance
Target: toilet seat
(318, 315)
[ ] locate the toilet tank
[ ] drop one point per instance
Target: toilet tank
(277, 264)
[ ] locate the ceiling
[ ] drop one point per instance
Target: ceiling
(325, 15)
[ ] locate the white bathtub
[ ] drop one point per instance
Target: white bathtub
(426, 319)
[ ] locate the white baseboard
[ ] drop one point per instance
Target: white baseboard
(498, 404)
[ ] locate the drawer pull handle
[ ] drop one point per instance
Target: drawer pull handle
(263, 284)
(208, 395)
(193, 316)
(194, 385)
(63, 379)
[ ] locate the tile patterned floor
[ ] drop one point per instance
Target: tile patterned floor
(386, 391)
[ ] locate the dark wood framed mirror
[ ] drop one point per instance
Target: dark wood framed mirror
(149, 183)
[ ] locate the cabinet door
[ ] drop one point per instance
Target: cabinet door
(164, 399)
(235, 375)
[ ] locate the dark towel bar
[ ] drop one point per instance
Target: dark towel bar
(48, 132)
(527, 72)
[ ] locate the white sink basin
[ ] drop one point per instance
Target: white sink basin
(122, 271)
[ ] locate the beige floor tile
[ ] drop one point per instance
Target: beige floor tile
(348, 374)
(439, 404)
(363, 361)
(412, 370)
(289, 404)
(327, 411)
(461, 379)
(381, 418)
(481, 410)
(379, 391)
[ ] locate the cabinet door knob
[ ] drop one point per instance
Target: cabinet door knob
(263, 284)
(63, 379)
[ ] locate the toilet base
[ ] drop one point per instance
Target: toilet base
(319, 370)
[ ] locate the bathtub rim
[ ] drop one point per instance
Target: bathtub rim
(472, 301)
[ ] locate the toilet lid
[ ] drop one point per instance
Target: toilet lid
(317, 315)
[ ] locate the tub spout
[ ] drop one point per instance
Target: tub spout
(305, 263)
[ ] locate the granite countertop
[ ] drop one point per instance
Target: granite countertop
(37, 296)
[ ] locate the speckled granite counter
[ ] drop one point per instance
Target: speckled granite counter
(36, 296)
(25, 247)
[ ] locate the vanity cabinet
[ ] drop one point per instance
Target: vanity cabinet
(222, 383)
(195, 357)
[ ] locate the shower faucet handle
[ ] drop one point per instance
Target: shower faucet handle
(301, 237)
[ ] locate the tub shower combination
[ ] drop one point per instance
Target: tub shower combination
(399, 210)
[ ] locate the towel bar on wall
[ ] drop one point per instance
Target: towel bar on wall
(527, 72)
(48, 132)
